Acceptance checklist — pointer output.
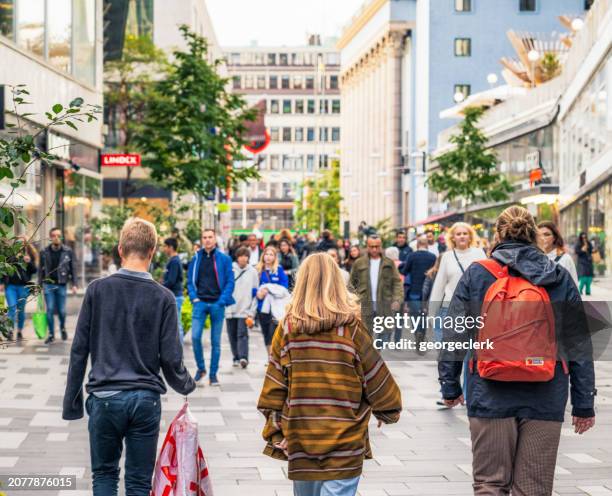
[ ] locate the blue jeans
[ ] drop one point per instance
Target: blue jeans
(340, 487)
(415, 305)
(132, 416)
(201, 310)
(16, 298)
(55, 299)
(179, 305)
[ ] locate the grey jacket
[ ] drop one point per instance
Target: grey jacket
(246, 282)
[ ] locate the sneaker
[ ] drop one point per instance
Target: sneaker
(214, 382)
(199, 376)
(64, 335)
(9, 337)
(236, 363)
(49, 340)
(19, 336)
(244, 363)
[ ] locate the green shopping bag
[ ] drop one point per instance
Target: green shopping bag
(39, 319)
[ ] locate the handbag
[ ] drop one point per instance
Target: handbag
(39, 318)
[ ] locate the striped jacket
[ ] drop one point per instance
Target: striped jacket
(318, 393)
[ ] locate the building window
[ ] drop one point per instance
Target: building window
(335, 106)
(310, 161)
(286, 106)
(463, 47)
(7, 14)
(236, 82)
(286, 162)
(310, 134)
(285, 84)
(283, 59)
(259, 59)
(464, 89)
(310, 82)
(274, 134)
(323, 106)
(85, 41)
(299, 163)
(297, 82)
(271, 59)
(274, 162)
(323, 161)
(261, 82)
(274, 106)
(273, 82)
(333, 59)
(235, 59)
(333, 82)
(527, 5)
(311, 107)
(31, 26)
(588, 4)
(335, 134)
(287, 134)
(463, 5)
(248, 82)
(299, 134)
(299, 106)
(323, 134)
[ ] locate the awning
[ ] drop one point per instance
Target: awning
(435, 218)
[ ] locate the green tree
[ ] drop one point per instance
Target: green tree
(193, 127)
(469, 171)
(322, 202)
(18, 153)
(126, 81)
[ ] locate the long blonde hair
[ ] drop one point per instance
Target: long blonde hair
(320, 300)
(261, 266)
(451, 233)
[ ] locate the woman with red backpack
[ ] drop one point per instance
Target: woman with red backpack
(531, 310)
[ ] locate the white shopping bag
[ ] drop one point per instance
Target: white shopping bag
(181, 469)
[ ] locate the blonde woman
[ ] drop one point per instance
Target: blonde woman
(270, 272)
(323, 382)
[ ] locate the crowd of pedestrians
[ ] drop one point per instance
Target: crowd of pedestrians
(313, 300)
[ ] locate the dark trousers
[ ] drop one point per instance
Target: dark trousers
(55, 299)
(238, 337)
(514, 454)
(268, 326)
(132, 416)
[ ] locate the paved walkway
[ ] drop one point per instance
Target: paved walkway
(426, 453)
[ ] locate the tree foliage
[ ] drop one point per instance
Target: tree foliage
(193, 127)
(469, 171)
(18, 153)
(317, 206)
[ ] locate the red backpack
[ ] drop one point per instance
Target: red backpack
(519, 321)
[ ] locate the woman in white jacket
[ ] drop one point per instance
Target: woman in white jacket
(551, 242)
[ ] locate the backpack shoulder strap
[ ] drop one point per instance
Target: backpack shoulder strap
(496, 269)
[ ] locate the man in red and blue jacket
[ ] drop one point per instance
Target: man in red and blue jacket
(210, 283)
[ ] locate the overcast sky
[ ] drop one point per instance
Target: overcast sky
(278, 22)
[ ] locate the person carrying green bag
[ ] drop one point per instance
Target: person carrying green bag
(39, 318)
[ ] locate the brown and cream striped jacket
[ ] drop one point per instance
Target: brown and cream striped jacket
(318, 393)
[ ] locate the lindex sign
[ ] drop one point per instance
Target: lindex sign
(120, 159)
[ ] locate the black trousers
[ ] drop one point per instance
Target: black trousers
(238, 333)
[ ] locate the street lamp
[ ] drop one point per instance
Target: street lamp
(492, 79)
(533, 57)
(458, 97)
(577, 24)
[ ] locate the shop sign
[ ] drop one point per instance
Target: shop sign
(120, 160)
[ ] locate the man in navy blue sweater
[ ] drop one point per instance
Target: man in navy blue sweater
(414, 268)
(173, 277)
(128, 325)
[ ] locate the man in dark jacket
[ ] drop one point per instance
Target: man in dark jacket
(128, 326)
(210, 283)
(173, 277)
(327, 241)
(57, 269)
(401, 243)
(520, 422)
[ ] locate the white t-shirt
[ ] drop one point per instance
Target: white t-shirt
(254, 257)
(374, 268)
(566, 262)
(433, 249)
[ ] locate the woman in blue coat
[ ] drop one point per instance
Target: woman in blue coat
(515, 426)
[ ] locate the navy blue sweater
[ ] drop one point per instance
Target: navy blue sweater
(173, 276)
(415, 267)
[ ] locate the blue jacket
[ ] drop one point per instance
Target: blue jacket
(533, 400)
(267, 277)
(224, 273)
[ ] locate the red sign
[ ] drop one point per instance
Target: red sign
(257, 135)
(121, 159)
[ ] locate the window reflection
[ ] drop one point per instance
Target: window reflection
(84, 40)
(7, 13)
(31, 26)
(59, 17)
